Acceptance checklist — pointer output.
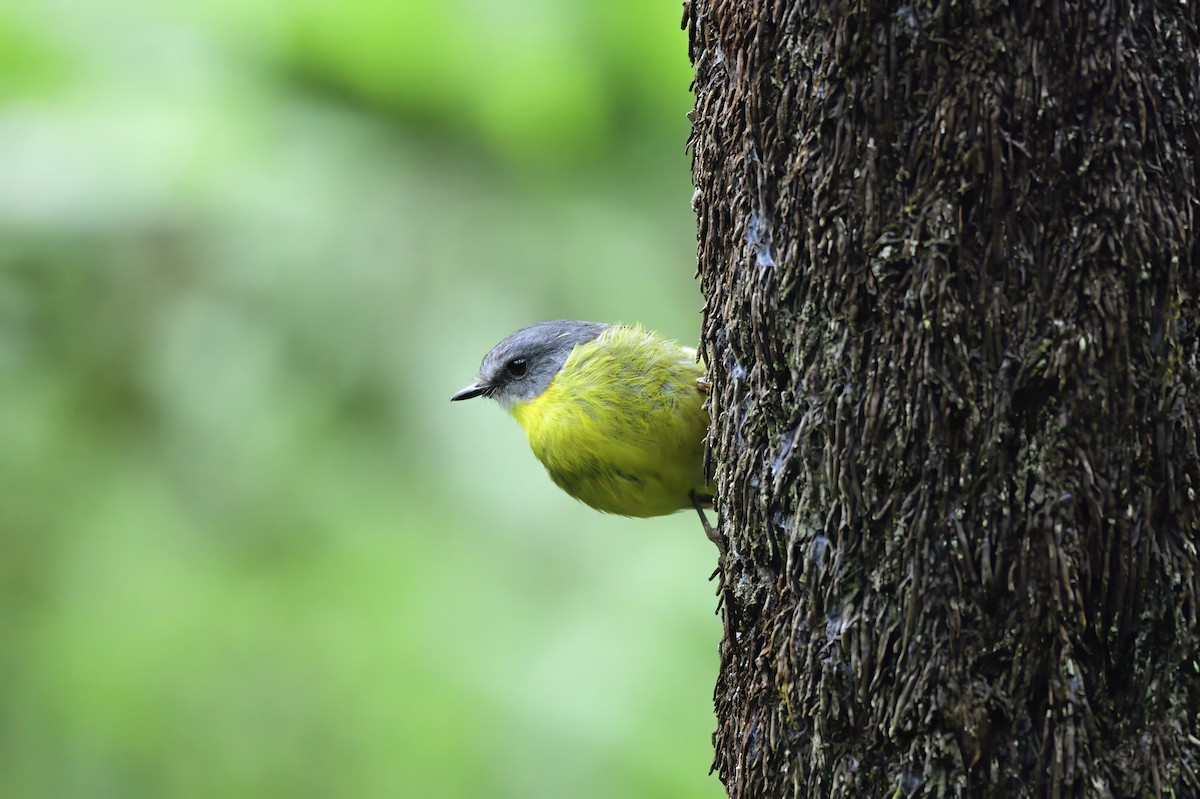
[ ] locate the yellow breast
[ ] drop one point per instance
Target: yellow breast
(622, 425)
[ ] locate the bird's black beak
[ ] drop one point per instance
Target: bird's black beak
(473, 390)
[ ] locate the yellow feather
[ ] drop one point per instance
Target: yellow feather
(622, 425)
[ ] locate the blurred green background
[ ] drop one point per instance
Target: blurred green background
(247, 546)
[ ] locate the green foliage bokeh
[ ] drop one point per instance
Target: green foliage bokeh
(247, 251)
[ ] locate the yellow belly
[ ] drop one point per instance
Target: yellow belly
(622, 425)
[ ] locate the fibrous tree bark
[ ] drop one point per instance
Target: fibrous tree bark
(951, 271)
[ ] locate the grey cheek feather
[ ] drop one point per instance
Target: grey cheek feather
(513, 391)
(505, 401)
(532, 385)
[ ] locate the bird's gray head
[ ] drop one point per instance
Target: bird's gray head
(522, 366)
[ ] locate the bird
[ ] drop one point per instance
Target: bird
(614, 412)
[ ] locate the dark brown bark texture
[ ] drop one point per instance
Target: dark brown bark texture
(950, 264)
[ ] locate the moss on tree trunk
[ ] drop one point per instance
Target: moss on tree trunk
(951, 269)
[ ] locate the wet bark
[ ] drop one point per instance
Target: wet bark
(951, 271)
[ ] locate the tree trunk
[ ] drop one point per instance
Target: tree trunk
(950, 263)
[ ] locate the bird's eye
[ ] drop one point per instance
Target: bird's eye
(517, 367)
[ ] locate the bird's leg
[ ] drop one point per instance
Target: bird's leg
(713, 534)
(726, 596)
